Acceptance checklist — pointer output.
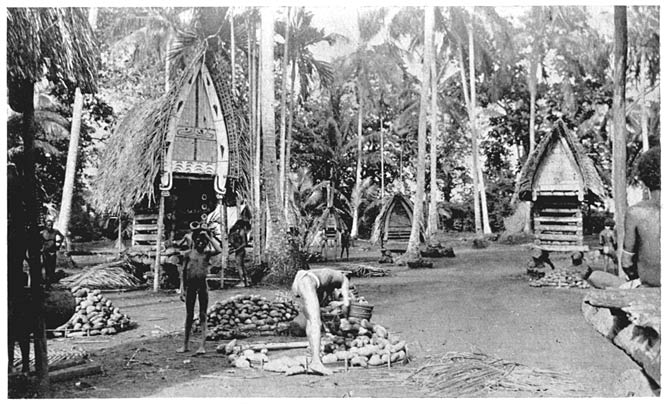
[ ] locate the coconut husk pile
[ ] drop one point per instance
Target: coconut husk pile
(463, 374)
(111, 275)
(561, 278)
(243, 316)
(95, 315)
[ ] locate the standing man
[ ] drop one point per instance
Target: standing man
(194, 287)
(239, 240)
(345, 243)
(640, 258)
(52, 241)
(315, 287)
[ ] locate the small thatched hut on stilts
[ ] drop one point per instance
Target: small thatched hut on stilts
(558, 177)
(393, 224)
(169, 161)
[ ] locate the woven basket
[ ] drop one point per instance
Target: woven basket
(361, 311)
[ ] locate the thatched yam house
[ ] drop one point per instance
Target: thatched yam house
(393, 224)
(169, 161)
(558, 177)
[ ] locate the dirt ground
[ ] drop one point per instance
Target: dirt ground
(478, 301)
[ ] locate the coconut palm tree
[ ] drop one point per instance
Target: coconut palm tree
(619, 147)
(276, 243)
(412, 251)
(56, 43)
(300, 36)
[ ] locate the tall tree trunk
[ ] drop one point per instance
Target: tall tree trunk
(283, 114)
(70, 169)
(31, 202)
(471, 114)
(532, 89)
(290, 122)
(412, 251)
(276, 245)
(356, 199)
(254, 139)
(643, 86)
(619, 147)
(432, 227)
(482, 193)
(381, 160)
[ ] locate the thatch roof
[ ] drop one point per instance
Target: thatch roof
(131, 162)
(593, 185)
(389, 204)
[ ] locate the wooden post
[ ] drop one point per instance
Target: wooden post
(158, 242)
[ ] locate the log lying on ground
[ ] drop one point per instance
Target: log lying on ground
(630, 318)
(74, 372)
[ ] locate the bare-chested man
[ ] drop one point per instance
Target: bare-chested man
(641, 246)
(315, 287)
(194, 287)
(52, 241)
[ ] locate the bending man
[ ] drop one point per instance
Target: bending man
(315, 287)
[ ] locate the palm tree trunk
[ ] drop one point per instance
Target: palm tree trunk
(643, 85)
(276, 244)
(467, 98)
(532, 89)
(254, 139)
(70, 169)
(482, 191)
(356, 200)
(381, 160)
(32, 213)
(290, 122)
(432, 227)
(283, 113)
(412, 251)
(619, 147)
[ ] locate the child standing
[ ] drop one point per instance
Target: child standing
(194, 287)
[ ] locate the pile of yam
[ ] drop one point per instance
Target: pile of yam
(242, 316)
(361, 343)
(95, 315)
(560, 278)
(111, 275)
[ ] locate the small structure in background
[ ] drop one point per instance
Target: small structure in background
(558, 177)
(393, 224)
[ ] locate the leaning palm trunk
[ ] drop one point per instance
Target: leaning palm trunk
(70, 169)
(433, 204)
(412, 251)
(643, 85)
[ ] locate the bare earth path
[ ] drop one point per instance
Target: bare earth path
(478, 301)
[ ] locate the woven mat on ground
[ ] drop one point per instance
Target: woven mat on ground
(55, 355)
(110, 277)
(465, 374)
